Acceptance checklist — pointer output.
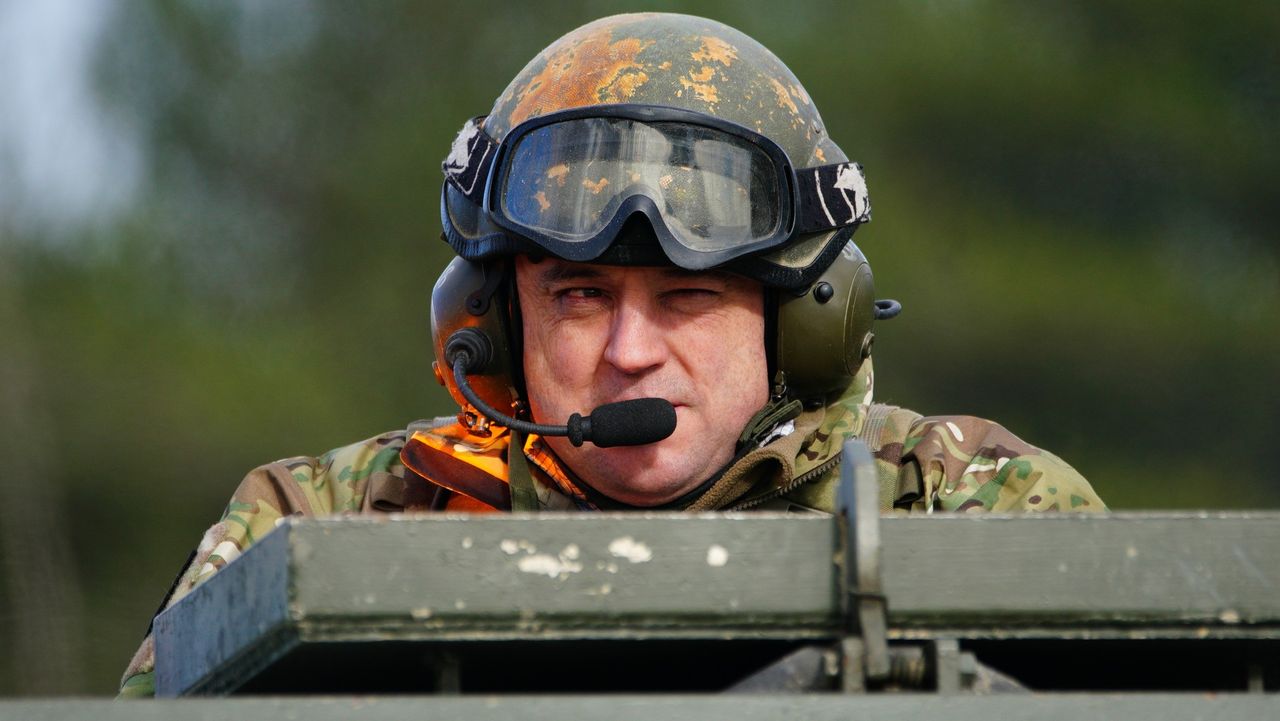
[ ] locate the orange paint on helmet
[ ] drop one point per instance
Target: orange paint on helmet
(715, 50)
(587, 67)
(784, 97)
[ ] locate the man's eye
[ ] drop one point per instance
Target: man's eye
(579, 299)
(695, 292)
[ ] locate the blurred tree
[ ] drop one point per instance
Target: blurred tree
(43, 623)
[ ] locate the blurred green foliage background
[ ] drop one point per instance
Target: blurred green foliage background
(1076, 203)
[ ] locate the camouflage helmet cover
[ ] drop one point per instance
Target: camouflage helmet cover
(679, 61)
(674, 60)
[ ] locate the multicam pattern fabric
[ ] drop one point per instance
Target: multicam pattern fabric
(941, 463)
(332, 484)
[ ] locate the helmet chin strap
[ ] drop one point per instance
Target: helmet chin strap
(771, 342)
(524, 497)
(774, 413)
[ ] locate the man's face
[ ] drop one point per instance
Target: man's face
(596, 334)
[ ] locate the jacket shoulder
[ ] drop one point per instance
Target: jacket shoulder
(951, 463)
(333, 482)
(337, 481)
(973, 464)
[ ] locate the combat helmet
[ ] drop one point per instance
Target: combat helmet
(651, 139)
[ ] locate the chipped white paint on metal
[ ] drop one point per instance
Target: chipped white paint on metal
(604, 590)
(511, 547)
(549, 565)
(717, 555)
(630, 549)
(558, 566)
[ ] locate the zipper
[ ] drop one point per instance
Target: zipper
(794, 484)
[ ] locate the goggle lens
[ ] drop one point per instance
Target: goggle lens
(714, 190)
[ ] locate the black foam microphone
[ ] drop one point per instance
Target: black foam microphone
(626, 423)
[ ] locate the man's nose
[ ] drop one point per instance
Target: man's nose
(636, 342)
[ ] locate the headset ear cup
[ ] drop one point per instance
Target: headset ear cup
(471, 294)
(824, 334)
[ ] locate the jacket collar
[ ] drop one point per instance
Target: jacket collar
(794, 449)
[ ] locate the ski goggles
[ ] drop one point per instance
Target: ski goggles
(712, 190)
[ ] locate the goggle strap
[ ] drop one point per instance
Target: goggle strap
(470, 159)
(832, 196)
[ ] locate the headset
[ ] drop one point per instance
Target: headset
(816, 338)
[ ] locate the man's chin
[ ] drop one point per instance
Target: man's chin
(648, 475)
(641, 495)
(644, 476)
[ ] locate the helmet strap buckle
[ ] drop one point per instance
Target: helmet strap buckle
(778, 391)
(774, 414)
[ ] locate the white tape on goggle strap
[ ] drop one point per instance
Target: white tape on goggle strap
(832, 196)
(469, 161)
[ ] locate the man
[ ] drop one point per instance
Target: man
(653, 228)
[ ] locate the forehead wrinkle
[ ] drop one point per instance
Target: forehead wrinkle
(679, 273)
(562, 271)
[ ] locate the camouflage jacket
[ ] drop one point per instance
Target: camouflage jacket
(945, 463)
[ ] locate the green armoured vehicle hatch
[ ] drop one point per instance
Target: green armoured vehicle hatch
(790, 609)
